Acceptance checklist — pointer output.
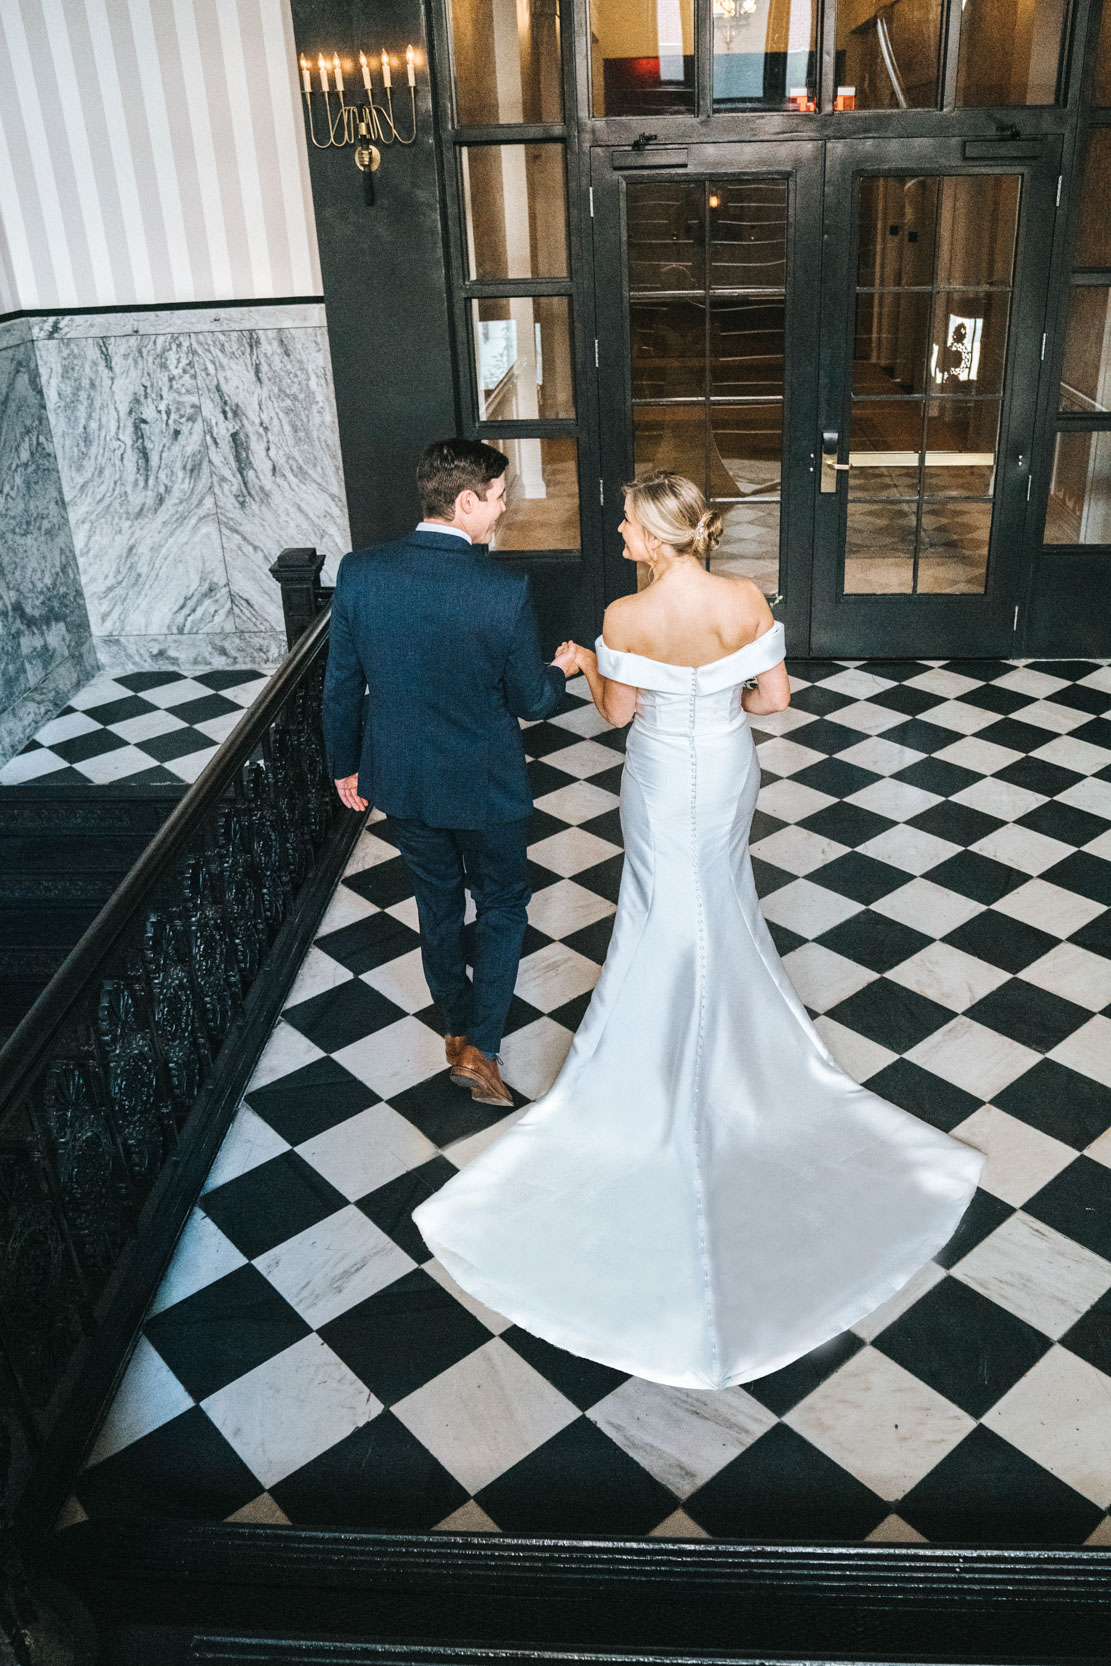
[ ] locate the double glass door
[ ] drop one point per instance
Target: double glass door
(841, 343)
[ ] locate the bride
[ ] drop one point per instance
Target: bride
(703, 1195)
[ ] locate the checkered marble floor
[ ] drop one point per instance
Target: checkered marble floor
(148, 728)
(933, 849)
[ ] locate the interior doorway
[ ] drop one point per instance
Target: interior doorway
(841, 341)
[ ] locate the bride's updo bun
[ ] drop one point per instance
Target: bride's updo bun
(671, 508)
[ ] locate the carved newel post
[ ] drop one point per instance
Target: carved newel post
(298, 573)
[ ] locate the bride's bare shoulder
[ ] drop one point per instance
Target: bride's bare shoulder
(748, 604)
(619, 623)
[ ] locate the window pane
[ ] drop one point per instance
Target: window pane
(665, 234)
(889, 54)
(746, 347)
(976, 224)
(674, 437)
(542, 492)
(892, 342)
(885, 446)
(1086, 376)
(1093, 240)
(1101, 86)
(749, 546)
(668, 348)
(968, 342)
(507, 61)
(746, 450)
(953, 548)
(764, 52)
(879, 549)
(898, 220)
(1009, 54)
(1080, 491)
(960, 447)
(523, 354)
(748, 234)
(642, 57)
(516, 213)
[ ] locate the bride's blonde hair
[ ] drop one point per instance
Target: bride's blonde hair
(672, 509)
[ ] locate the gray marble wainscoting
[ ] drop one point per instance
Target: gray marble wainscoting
(46, 649)
(192, 445)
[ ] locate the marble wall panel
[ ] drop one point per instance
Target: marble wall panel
(133, 463)
(273, 449)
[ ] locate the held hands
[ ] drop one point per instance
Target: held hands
(348, 790)
(565, 658)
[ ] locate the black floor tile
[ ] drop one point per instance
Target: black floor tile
(604, 879)
(310, 1100)
(826, 735)
(1077, 1203)
(225, 1330)
(185, 1468)
(936, 775)
(177, 743)
(992, 699)
(271, 1203)
(404, 1335)
(969, 1348)
(593, 940)
(384, 884)
(819, 701)
(783, 1389)
(978, 877)
(1038, 776)
(860, 877)
(368, 943)
(1060, 1102)
(379, 1477)
(1010, 944)
(874, 941)
(579, 1482)
(443, 1112)
(924, 1094)
(1096, 935)
(1028, 1014)
(849, 824)
(140, 681)
(897, 1018)
(920, 735)
(1089, 876)
(958, 823)
(1092, 700)
(911, 701)
(205, 708)
(1016, 735)
(337, 1017)
(978, 1222)
(119, 710)
(542, 739)
(1062, 821)
(988, 1492)
(583, 1381)
(92, 744)
(836, 777)
(1090, 1337)
(391, 1206)
(781, 1487)
(231, 677)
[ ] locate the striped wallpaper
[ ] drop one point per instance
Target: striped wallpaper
(151, 151)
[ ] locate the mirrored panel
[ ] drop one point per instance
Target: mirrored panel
(953, 548)
(641, 57)
(961, 436)
(1079, 510)
(764, 53)
(746, 347)
(516, 212)
(748, 234)
(506, 61)
(746, 450)
(1093, 238)
(879, 549)
(892, 341)
(968, 342)
(888, 55)
(668, 342)
(523, 358)
(542, 491)
(749, 546)
(666, 238)
(1009, 54)
(1086, 373)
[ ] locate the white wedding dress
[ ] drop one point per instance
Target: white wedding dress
(703, 1195)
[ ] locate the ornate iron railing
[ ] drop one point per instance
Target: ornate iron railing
(118, 1085)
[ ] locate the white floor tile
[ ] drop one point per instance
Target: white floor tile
(367, 1150)
(1039, 685)
(1049, 907)
(401, 981)
(118, 765)
(177, 693)
(467, 1147)
(248, 1143)
(563, 908)
(585, 720)
(867, 717)
(369, 851)
(583, 759)
(31, 766)
(395, 1058)
(897, 800)
(986, 757)
(1022, 848)
(202, 1256)
(1088, 1050)
(857, 1056)
(797, 850)
(534, 1056)
(789, 800)
(958, 715)
(572, 851)
(1073, 973)
(287, 1050)
(857, 684)
(101, 692)
(882, 757)
(135, 730)
(1020, 1159)
(1059, 1414)
(949, 684)
(1072, 753)
(821, 978)
(188, 768)
(333, 1266)
(1091, 795)
(895, 1306)
(496, 1322)
(909, 848)
(1048, 714)
(318, 972)
(807, 908)
(928, 907)
(1039, 1274)
(974, 1057)
(681, 1436)
(999, 798)
(554, 975)
(948, 975)
(149, 1396)
(344, 909)
(786, 757)
(578, 802)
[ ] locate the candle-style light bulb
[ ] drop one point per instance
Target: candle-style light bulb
(305, 79)
(386, 71)
(365, 67)
(323, 73)
(409, 66)
(338, 72)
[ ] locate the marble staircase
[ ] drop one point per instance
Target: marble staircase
(63, 851)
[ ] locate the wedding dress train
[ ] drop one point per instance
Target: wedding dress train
(703, 1195)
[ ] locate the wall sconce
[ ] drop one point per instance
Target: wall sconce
(366, 125)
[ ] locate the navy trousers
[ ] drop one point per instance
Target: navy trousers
(492, 864)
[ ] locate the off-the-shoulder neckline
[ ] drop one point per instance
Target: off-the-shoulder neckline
(671, 665)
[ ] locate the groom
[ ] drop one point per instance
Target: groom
(443, 639)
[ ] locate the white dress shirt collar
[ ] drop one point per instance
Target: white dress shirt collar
(442, 526)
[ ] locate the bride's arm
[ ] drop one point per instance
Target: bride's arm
(771, 694)
(617, 702)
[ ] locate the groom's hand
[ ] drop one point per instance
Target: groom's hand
(566, 658)
(348, 790)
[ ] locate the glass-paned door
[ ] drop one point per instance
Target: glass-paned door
(840, 344)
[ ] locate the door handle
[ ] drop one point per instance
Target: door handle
(827, 481)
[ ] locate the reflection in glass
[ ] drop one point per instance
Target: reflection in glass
(515, 210)
(968, 343)
(1093, 240)
(1009, 54)
(953, 547)
(668, 341)
(506, 61)
(542, 491)
(764, 52)
(748, 234)
(665, 234)
(885, 443)
(671, 437)
(749, 546)
(890, 350)
(1079, 509)
(523, 358)
(879, 549)
(746, 347)
(641, 57)
(1086, 375)
(889, 54)
(746, 450)
(961, 437)
(1101, 84)
(898, 222)
(956, 229)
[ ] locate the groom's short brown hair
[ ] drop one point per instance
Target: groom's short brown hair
(448, 467)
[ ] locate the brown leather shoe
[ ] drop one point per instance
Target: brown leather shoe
(453, 1046)
(474, 1070)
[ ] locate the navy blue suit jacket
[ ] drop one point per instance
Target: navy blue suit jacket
(444, 640)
